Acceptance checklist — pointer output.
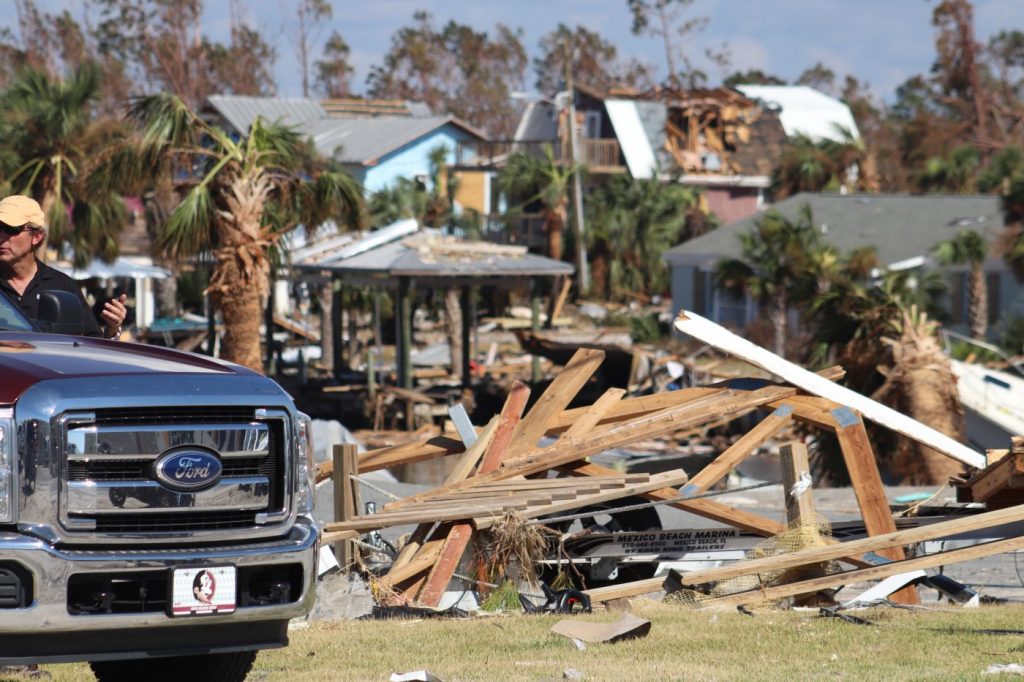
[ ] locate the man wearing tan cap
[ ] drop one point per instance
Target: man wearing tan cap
(23, 277)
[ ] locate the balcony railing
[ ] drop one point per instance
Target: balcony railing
(602, 155)
(525, 229)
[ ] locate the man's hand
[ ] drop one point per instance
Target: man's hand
(113, 315)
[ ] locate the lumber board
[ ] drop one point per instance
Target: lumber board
(799, 500)
(468, 460)
(423, 560)
(705, 508)
(812, 410)
(459, 534)
(448, 559)
(639, 406)
(407, 453)
(868, 548)
(867, 486)
(658, 481)
(738, 451)
(994, 477)
(613, 435)
(553, 401)
(411, 546)
(509, 420)
(723, 339)
(455, 510)
(595, 413)
(945, 558)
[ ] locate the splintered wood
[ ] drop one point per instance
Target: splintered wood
(534, 464)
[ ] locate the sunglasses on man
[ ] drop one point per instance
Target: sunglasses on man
(11, 230)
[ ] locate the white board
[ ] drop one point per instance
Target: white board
(721, 338)
(632, 137)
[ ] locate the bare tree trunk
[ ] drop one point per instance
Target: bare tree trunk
(453, 327)
(240, 305)
(778, 317)
(554, 220)
(325, 295)
(979, 302)
(239, 280)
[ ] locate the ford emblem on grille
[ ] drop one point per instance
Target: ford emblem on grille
(188, 470)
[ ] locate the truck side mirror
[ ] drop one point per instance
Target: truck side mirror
(60, 312)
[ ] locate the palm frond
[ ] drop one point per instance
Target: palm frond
(189, 228)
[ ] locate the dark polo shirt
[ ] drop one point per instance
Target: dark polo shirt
(47, 278)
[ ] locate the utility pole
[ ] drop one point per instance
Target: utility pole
(582, 269)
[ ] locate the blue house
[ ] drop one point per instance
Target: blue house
(378, 142)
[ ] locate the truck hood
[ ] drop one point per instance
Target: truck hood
(27, 358)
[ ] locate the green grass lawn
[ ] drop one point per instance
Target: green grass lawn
(683, 645)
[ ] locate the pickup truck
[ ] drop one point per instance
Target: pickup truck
(155, 506)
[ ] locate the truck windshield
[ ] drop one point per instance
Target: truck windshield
(11, 318)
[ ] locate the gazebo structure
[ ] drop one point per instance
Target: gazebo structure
(408, 260)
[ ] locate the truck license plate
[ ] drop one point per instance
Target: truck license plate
(202, 590)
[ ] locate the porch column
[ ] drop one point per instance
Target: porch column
(467, 324)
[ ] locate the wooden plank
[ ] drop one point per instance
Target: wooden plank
(867, 486)
(595, 413)
(811, 409)
(995, 477)
(468, 460)
(344, 504)
(723, 339)
(738, 451)
(657, 482)
(412, 546)
(510, 416)
(614, 435)
(868, 547)
(945, 558)
(423, 560)
(407, 453)
(796, 484)
(458, 537)
(554, 400)
(448, 559)
(705, 508)
(556, 310)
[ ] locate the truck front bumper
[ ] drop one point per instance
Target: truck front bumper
(48, 631)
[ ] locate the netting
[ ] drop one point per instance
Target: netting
(811, 533)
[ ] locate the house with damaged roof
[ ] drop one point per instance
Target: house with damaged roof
(903, 230)
(725, 142)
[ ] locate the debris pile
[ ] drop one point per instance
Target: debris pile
(509, 468)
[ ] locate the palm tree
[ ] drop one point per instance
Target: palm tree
(239, 197)
(954, 174)
(773, 265)
(1005, 174)
(876, 328)
(809, 165)
(50, 142)
(528, 179)
(969, 247)
(631, 223)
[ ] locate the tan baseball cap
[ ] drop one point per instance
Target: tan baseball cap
(16, 210)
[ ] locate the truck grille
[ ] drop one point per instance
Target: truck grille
(111, 486)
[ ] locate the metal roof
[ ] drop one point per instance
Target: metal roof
(805, 110)
(365, 140)
(900, 227)
(240, 111)
(395, 251)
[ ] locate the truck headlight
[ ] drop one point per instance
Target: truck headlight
(7, 470)
(305, 466)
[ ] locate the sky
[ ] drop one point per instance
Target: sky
(882, 42)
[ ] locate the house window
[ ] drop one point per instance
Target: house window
(592, 124)
(730, 310)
